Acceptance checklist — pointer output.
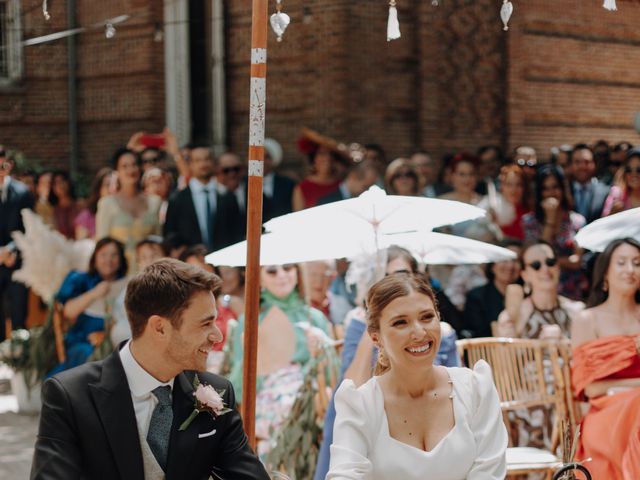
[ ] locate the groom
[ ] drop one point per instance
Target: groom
(122, 418)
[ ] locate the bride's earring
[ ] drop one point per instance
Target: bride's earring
(605, 286)
(382, 357)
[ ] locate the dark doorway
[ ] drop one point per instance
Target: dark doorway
(200, 58)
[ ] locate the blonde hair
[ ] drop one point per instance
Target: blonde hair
(383, 293)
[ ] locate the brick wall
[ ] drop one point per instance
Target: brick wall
(572, 75)
(120, 84)
(455, 80)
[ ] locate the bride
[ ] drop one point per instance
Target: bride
(414, 419)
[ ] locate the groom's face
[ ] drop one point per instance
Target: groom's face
(188, 346)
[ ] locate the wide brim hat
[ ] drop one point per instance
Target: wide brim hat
(310, 141)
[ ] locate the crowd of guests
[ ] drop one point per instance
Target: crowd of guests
(152, 202)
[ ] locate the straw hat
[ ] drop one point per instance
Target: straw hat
(310, 141)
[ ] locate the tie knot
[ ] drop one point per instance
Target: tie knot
(163, 394)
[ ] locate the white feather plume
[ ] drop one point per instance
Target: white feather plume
(47, 256)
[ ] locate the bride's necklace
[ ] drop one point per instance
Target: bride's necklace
(434, 396)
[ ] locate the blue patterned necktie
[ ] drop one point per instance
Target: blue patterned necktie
(160, 425)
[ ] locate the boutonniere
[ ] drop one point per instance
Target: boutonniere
(207, 399)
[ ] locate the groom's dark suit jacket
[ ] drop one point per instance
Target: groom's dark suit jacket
(88, 430)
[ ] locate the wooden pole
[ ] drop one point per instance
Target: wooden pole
(254, 212)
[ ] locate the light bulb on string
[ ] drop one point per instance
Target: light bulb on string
(109, 31)
(158, 34)
(435, 3)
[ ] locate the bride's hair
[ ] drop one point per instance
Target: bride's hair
(386, 291)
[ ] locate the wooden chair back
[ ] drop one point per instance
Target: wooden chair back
(527, 373)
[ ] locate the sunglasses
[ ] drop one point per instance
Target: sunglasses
(228, 170)
(549, 262)
(3, 153)
(273, 269)
(628, 169)
(529, 163)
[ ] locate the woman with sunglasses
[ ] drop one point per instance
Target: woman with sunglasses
(537, 311)
(401, 178)
(290, 333)
(625, 192)
(606, 364)
(542, 314)
(554, 222)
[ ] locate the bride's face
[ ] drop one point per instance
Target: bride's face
(409, 331)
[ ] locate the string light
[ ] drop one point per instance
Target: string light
(109, 30)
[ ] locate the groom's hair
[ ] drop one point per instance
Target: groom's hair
(165, 288)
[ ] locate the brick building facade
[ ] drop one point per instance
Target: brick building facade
(562, 74)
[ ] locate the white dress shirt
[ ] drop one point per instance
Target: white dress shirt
(4, 189)
(267, 184)
(141, 384)
(200, 203)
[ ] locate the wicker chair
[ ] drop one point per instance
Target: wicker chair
(519, 374)
(59, 328)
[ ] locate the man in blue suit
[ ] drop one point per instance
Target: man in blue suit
(588, 193)
(14, 196)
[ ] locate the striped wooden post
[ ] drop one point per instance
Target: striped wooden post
(254, 212)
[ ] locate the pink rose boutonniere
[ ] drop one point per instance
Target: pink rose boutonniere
(207, 399)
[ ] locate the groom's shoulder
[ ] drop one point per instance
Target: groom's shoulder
(78, 378)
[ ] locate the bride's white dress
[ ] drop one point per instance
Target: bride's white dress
(474, 449)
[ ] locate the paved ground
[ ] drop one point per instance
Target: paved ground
(17, 433)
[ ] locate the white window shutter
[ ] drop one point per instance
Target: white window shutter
(177, 78)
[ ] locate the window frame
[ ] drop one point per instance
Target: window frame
(13, 35)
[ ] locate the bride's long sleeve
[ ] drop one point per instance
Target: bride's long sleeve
(488, 427)
(351, 436)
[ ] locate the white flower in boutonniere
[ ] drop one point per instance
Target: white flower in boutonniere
(207, 399)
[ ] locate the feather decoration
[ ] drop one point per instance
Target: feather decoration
(47, 256)
(610, 5)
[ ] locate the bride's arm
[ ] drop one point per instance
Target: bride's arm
(351, 436)
(488, 428)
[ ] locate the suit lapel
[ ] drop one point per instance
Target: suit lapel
(115, 408)
(192, 215)
(182, 444)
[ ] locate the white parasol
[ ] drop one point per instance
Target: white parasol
(433, 248)
(377, 213)
(598, 234)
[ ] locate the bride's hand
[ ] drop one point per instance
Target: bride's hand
(638, 344)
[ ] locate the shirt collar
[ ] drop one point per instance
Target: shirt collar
(141, 382)
(345, 191)
(200, 187)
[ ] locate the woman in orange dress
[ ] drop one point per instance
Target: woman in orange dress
(606, 364)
